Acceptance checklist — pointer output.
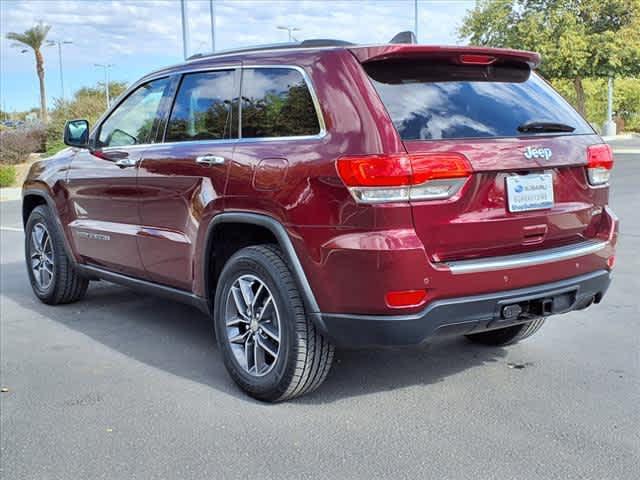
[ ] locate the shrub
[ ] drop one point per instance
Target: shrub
(17, 144)
(7, 175)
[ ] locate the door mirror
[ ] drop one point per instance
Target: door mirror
(76, 133)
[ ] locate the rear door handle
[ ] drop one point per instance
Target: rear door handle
(210, 160)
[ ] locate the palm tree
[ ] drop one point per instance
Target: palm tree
(34, 38)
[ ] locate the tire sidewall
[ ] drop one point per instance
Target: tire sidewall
(252, 262)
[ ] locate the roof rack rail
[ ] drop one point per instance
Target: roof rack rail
(317, 42)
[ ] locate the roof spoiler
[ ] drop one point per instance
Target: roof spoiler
(455, 54)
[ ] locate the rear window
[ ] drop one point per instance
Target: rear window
(431, 101)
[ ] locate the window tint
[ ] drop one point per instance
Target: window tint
(430, 101)
(276, 103)
(204, 107)
(132, 121)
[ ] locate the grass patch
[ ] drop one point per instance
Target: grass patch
(54, 147)
(7, 175)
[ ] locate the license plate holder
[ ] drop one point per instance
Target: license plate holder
(529, 192)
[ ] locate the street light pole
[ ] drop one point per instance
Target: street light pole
(185, 28)
(415, 19)
(106, 68)
(212, 15)
(59, 44)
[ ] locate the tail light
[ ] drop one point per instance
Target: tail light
(403, 177)
(599, 163)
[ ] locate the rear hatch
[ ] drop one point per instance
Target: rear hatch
(527, 148)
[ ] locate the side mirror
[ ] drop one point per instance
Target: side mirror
(76, 133)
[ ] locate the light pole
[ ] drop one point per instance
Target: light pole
(59, 43)
(212, 16)
(105, 67)
(290, 30)
(415, 19)
(185, 28)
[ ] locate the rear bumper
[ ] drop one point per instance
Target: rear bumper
(464, 315)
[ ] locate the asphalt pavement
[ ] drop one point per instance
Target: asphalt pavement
(123, 385)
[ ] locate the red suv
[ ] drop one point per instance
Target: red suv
(324, 194)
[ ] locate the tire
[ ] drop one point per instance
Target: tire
(247, 341)
(52, 275)
(507, 335)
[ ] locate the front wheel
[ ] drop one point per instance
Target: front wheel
(502, 337)
(53, 277)
(269, 346)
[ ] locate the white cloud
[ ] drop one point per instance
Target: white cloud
(137, 34)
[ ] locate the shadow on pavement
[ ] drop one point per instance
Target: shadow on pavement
(180, 340)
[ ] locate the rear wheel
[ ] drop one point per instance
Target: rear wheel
(53, 277)
(269, 346)
(507, 335)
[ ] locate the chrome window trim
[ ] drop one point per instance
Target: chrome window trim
(528, 259)
(134, 146)
(196, 142)
(305, 76)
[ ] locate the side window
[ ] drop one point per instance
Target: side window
(276, 103)
(204, 107)
(132, 121)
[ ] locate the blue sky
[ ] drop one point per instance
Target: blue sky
(138, 36)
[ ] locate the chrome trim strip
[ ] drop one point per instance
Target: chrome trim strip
(528, 259)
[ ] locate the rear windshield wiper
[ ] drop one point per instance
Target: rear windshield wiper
(545, 127)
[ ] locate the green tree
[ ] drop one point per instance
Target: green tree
(87, 102)
(34, 38)
(576, 38)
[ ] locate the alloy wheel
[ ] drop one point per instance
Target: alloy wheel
(41, 256)
(253, 325)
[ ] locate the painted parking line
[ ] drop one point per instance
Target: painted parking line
(622, 150)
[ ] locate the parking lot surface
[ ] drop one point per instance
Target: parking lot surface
(123, 385)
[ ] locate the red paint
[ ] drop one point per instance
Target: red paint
(455, 53)
(157, 213)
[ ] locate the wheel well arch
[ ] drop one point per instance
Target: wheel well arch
(29, 202)
(230, 231)
(35, 197)
(226, 239)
